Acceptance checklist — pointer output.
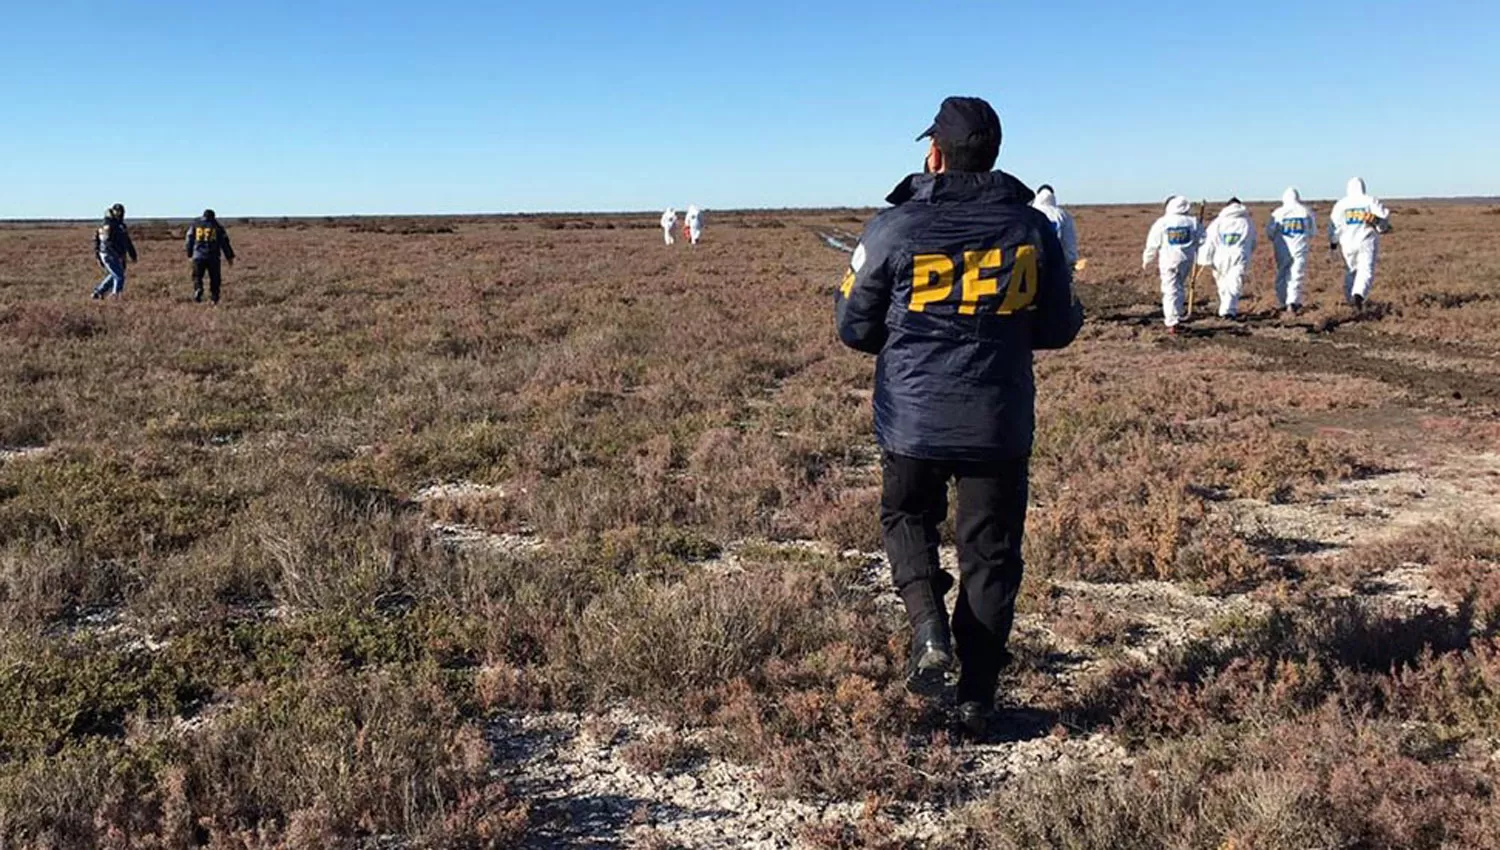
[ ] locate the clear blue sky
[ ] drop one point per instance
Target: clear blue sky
(269, 107)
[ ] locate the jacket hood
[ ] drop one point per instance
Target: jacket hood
(1291, 196)
(1234, 211)
(952, 186)
(1178, 205)
(1356, 187)
(1046, 198)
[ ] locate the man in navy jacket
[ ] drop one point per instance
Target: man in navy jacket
(952, 288)
(207, 241)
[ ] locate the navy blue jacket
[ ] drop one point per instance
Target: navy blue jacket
(112, 240)
(206, 238)
(953, 288)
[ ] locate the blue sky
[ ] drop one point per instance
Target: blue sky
(272, 107)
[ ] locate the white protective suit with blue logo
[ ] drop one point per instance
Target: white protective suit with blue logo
(694, 223)
(1355, 227)
(1173, 243)
(1062, 222)
(1291, 230)
(1227, 247)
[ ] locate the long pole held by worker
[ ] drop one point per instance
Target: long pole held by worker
(1192, 298)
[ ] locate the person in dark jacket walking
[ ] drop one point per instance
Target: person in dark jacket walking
(952, 288)
(206, 242)
(111, 246)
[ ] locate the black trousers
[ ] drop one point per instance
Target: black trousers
(990, 525)
(215, 277)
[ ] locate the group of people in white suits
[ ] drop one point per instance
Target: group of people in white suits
(692, 225)
(1177, 240)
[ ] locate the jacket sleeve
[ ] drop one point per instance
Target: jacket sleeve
(1271, 229)
(1069, 236)
(129, 244)
(191, 241)
(1153, 243)
(864, 297)
(1059, 313)
(224, 243)
(1206, 241)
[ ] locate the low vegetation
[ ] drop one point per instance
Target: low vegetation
(229, 616)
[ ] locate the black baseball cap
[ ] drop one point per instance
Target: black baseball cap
(965, 121)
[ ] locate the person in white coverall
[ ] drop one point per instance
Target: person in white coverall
(1062, 222)
(1173, 243)
(668, 222)
(1354, 227)
(695, 224)
(1227, 246)
(1290, 230)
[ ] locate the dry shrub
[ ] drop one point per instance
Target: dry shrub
(42, 582)
(1459, 540)
(48, 323)
(1278, 665)
(662, 752)
(338, 548)
(1324, 780)
(1092, 625)
(668, 644)
(331, 761)
(111, 504)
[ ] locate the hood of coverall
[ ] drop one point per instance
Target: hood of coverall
(1045, 198)
(1291, 197)
(1234, 210)
(1178, 205)
(1356, 188)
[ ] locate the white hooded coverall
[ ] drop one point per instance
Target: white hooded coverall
(1062, 222)
(1227, 247)
(695, 224)
(668, 223)
(1355, 225)
(1290, 230)
(1173, 243)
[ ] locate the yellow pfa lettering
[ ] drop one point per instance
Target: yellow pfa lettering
(848, 285)
(1021, 291)
(981, 268)
(931, 280)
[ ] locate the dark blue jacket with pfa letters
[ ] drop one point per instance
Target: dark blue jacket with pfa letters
(207, 239)
(953, 288)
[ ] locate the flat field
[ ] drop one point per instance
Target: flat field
(534, 532)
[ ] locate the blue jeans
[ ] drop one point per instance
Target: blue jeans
(115, 280)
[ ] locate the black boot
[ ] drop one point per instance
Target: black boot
(976, 719)
(931, 663)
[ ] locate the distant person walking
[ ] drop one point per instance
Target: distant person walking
(668, 224)
(1173, 244)
(1290, 231)
(694, 224)
(1062, 222)
(952, 288)
(1227, 247)
(206, 242)
(112, 246)
(1355, 226)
